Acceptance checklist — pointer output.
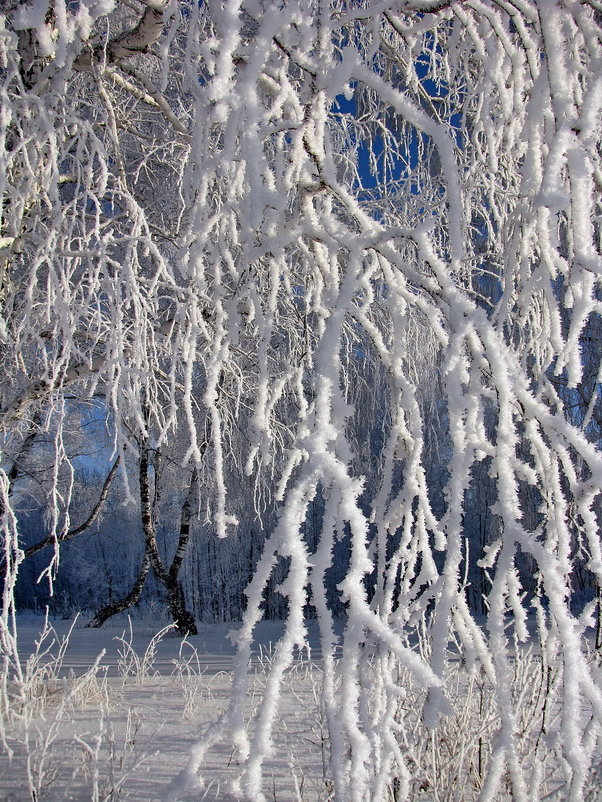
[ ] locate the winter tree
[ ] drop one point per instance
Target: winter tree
(349, 250)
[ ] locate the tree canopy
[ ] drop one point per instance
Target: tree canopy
(351, 251)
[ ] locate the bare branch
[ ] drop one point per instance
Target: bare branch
(77, 530)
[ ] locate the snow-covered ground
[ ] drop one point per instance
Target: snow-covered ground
(125, 731)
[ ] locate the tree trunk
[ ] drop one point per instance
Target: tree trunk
(183, 620)
(124, 604)
(175, 593)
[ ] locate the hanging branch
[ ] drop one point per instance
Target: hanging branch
(392, 212)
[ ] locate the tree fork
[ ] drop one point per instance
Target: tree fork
(183, 620)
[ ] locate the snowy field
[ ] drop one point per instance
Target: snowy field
(124, 731)
(112, 714)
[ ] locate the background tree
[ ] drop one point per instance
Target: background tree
(284, 205)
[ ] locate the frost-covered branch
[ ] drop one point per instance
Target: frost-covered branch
(378, 280)
(129, 43)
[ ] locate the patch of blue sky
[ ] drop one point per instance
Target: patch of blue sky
(378, 168)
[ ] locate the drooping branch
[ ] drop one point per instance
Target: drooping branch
(435, 234)
(41, 390)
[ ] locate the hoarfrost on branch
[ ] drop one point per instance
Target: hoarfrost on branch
(330, 244)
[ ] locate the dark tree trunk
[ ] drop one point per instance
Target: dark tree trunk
(185, 516)
(183, 620)
(127, 601)
(176, 595)
(167, 577)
